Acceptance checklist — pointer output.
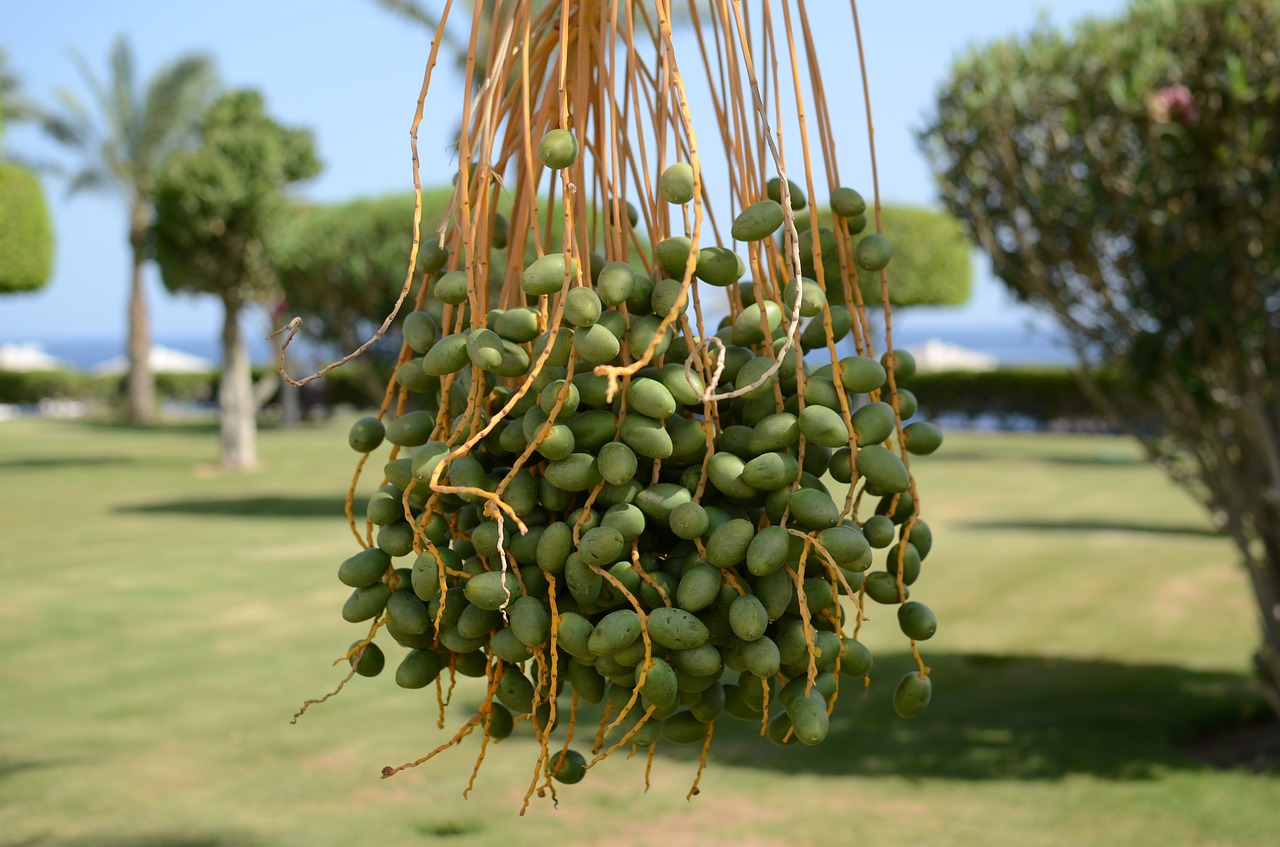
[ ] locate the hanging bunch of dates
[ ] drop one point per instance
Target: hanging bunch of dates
(638, 460)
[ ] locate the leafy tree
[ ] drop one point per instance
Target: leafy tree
(123, 148)
(931, 263)
(1126, 177)
(26, 232)
(219, 207)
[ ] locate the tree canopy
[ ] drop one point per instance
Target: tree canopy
(26, 231)
(931, 263)
(219, 207)
(1125, 177)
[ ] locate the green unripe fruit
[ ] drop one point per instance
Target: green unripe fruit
(408, 612)
(917, 621)
(698, 588)
(775, 432)
(701, 661)
(371, 660)
(823, 426)
(366, 435)
(515, 691)
(487, 591)
(451, 288)
(615, 631)
(771, 471)
(665, 297)
(615, 283)
(883, 469)
(546, 275)
(761, 656)
(550, 396)
(411, 429)
(582, 306)
(449, 355)
(814, 509)
(874, 423)
(768, 550)
(815, 334)
(821, 391)
(676, 629)
(418, 669)
(758, 221)
(601, 546)
(676, 183)
(673, 254)
(746, 328)
(658, 500)
(646, 436)
(861, 374)
(568, 767)
(773, 188)
(365, 603)
(847, 203)
(586, 681)
(364, 568)
(617, 463)
(684, 728)
(778, 729)
(484, 349)
(719, 266)
(922, 438)
(576, 472)
(629, 521)
(689, 521)
(873, 252)
(643, 331)
(727, 544)
(659, 683)
(847, 547)
(572, 634)
(856, 660)
(882, 587)
(809, 719)
(475, 622)
(419, 330)
(639, 301)
(748, 618)
(878, 530)
(518, 325)
(754, 379)
(558, 149)
(530, 621)
(384, 506)
(507, 647)
(910, 562)
(775, 591)
(596, 345)
(396, 539)
(912, 695)
(651, 398)
(903, 364)
(812, 297)
(724, 470)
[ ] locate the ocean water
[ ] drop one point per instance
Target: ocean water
(1009, 344)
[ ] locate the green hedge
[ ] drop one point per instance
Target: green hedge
(1046, 396)
(26, 387)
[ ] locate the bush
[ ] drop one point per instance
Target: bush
(26, 232)
(1045, 397)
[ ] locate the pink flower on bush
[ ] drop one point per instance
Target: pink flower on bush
(1173, 103)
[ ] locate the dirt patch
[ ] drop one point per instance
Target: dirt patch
(1253, 747)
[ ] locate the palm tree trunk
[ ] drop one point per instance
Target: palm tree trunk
(140, 383)
(237, 421)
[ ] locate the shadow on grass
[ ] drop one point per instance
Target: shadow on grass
(252, 507)
(1095, 526)
(197, 426)
(1094, 460)
(157, 839)
(55, 462)
(1010, 717)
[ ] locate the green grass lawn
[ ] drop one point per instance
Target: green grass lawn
(162, 622)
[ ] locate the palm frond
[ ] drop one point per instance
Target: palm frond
(172, 106)
(124, 111)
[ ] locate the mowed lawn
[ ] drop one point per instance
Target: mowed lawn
(162, 622)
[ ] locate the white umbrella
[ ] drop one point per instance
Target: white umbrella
(938, 355)
(163, 360)
(28, 357)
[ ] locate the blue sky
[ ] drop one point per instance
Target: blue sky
(351, 72)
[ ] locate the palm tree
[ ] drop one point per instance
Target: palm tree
(124, 149)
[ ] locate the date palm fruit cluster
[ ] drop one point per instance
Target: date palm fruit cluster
(593, 504)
